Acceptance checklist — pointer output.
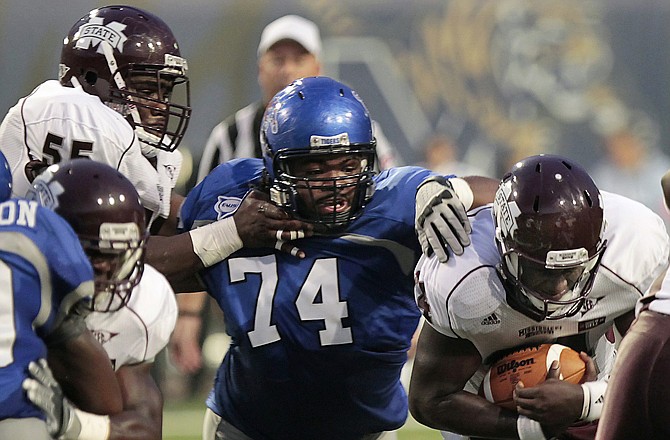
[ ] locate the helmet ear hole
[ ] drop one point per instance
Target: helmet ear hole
(90, 77)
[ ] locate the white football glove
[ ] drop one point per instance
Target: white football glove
(43, 390)
(441, 219)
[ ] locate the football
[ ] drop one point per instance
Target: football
(530, 366)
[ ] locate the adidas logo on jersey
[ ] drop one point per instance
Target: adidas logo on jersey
(492, 319)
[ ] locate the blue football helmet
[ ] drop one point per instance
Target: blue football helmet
(5, 179)
(318, 118)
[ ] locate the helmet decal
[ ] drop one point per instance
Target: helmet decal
(46, 192)
(272, 119)
(327, 141)
(94, 32)
(507, 212)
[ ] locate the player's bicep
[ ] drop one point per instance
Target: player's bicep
(85, 373)
(140, 391)
(142, 415)
(442, 364)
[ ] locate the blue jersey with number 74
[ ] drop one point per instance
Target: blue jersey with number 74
(318, 344)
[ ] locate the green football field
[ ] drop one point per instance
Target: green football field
(183, 421)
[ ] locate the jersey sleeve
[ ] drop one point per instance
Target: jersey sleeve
(220, 193)
(13, 147)
(459, 295)
(629, 221)
(144, 177)
(164, 317)
(136, 333)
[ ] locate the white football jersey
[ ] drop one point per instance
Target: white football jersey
(58, 123)
(137, 332)
(659, 302)
(467, 300)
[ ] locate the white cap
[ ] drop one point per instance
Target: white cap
(291, 27)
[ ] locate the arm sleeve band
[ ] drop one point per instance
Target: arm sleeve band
(594, 398)
(529, 429)
(216, 241)
(92, 426)
(463, 191)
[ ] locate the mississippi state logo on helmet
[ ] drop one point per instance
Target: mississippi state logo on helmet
(131, 60)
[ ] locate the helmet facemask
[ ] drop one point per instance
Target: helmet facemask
(106, 52)
(117, 256)
(538, 284)
(156, 101)
(329, 202)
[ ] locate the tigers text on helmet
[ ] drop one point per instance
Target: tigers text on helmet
(104, 210)
(131, 60)
(548, 215)
(316, 120)
(5, 179)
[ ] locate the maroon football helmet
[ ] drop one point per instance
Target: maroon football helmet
(131, 60)
(548, 215)
(104, 209)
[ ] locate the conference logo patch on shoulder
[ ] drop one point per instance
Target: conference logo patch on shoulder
(226, 205)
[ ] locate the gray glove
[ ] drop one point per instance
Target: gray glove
(43, 390)
(441, 220)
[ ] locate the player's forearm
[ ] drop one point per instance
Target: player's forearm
(136, 425)
(191, 304)
(173, 256)
(466, 414)
(79, 362)
(483, 188)
(142, 416)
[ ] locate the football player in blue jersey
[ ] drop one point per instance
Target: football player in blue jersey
(44, 275)
(318, 342)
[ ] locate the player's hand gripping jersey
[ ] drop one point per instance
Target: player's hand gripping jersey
(317, 343)
(465, 297)
(43, 273)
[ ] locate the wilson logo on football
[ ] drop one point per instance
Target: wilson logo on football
(514, 365)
